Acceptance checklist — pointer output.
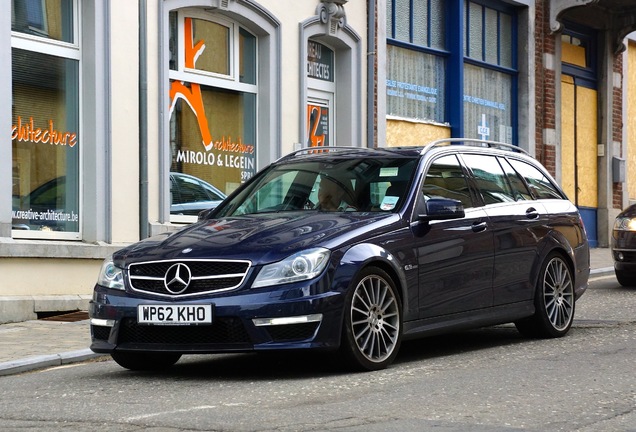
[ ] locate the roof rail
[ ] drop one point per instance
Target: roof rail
(474, 142)
(324, 149)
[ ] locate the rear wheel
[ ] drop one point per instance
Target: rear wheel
(372, 330)
(145, 361)
(626, 279)
(554, 301)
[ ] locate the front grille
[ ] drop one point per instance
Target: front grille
(183, 278)
(222, 331)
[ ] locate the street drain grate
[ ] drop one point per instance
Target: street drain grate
(63, 316)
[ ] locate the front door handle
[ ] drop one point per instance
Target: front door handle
(479, 226)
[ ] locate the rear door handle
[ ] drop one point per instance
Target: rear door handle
(532, 213)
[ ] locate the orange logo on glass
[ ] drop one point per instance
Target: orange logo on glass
(192, 94)
(26, 131)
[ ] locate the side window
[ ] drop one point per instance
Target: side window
(490, 178)
(519, 188)
(540, 186)
(445, 179)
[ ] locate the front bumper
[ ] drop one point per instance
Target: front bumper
(243, 321)
(624, 250)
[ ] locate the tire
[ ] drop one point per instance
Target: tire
(145, 361)
(626, 279)
(554, 301)
(372, 328)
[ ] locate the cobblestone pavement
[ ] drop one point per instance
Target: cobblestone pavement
(37, 344)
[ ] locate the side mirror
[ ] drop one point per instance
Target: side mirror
(443, 209)
(204, 214)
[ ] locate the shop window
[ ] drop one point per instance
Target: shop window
(487, 104)
(489, 35)
(45, 125)
(416, 60)
(212, 101)
(489, 77)
(416, 87)
(420, 23)
(321, 83)
(437, 74)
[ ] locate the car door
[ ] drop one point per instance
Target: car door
(455, 257)
(517, 223)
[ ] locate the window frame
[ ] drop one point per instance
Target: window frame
(211, 79)
(68, 51)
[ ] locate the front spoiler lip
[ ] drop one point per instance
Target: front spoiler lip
(102, 347)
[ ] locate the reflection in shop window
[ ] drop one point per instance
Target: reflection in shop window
(228, 159)
(45, 143)
(212, 110)
(52, 19)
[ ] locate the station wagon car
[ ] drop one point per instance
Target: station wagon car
(352, 250)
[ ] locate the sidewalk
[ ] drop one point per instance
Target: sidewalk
(38, 344)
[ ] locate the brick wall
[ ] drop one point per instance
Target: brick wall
(545, 109)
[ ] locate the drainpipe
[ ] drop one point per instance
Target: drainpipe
(143, 124)
(371, 47)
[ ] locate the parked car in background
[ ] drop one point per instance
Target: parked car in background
(624, 246)
(190, 195)
(354, 250)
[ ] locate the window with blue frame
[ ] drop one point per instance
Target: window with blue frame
(416, 59)
(489, 72)
(453, 61)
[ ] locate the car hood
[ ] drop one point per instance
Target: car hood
(260, 238)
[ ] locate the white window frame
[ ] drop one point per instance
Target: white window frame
(71, 51)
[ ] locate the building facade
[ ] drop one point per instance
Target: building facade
(545, 75)
(124, 114)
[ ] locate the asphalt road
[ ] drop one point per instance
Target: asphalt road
(483, 380)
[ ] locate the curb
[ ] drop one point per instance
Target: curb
(43, 361)
(605, 271)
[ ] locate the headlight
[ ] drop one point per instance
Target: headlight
(300, 266)
(625, 224)
(111, 276)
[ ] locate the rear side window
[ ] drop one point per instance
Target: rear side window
(445, 179)
(540, 186)
(490, 178)
(519, 188)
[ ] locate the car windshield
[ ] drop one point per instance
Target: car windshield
(329, 185)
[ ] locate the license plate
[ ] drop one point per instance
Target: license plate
(174, 314)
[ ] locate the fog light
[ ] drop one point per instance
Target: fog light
(620, 256)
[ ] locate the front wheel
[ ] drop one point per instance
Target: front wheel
(145, 361)
(372, 330)
(554, 301)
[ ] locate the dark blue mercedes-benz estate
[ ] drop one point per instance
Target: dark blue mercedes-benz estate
(354, 250)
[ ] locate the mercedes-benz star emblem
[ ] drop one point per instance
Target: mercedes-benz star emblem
(177, 278)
